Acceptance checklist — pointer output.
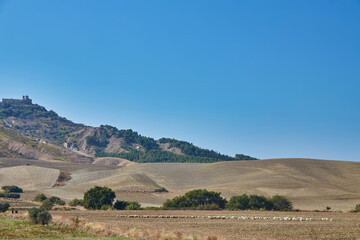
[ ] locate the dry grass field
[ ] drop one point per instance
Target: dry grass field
(179, 224)
(310, 184)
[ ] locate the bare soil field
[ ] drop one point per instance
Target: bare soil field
(253, 225)
(310, 184)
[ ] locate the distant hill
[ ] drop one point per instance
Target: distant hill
(37, 130)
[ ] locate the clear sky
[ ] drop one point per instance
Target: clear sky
(264, 78)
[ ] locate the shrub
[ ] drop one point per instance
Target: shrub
(4, 206)
(76, 202)
(97, 196)
(257, 202)
(12, 188)
(133, 206)
(357, 208)
(281, 203)
(39, 216)
(120, 205)
(106, 207)
(47, 204)
(238, 202)
(161, 190)
(195, 199)
(40, 197)
(9, 195)
(56, 200)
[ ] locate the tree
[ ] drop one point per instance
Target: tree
(47, 204)
(357, 208)
(198, 198)
(4, 206)
(133, 206)
(12, 188)
(56, 200)
(238, 202)
(120, 205)
(257, 202)
(98, 196)
(39, 216)
(76, 202)
(280, 203)
(40, 197)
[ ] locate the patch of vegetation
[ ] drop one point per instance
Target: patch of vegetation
(125, 205)
(156, 155)
(259, 202)
(4, 206)
(12, 189)
(39, 216)
(9, 195)
(22, 229)
(356, 209)
(160, 190)
(76, 202)
(40, 197)
(56, 200)
(196, 199)
(97, 197)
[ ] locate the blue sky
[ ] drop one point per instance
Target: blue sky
(264, 78)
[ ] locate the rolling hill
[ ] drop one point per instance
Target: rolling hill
(29, 130)
(311, 184)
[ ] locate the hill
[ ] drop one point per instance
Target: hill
(25, 124)
(311, 184)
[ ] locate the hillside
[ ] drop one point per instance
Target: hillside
(28, 125)
(311, 184)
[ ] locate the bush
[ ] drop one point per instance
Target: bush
(56, 200)
(357, 208)
(133, 206)
(161, 190)
(76, 202)
(12, 188)
(4, 206)
(97, 197)
(40, 197)
(281, 203)
(195, 199)
(106, 207)
(257, 202)
(9, 195)
(120, 205)
(39, 216)
(47, 204)
(238, 202)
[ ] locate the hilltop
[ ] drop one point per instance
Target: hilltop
(30, 130)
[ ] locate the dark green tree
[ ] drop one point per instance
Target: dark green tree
(257, 202)
(238, 202)
(120, 205)
(98, 196)
(281, 203)
(12, 188)
(4, 206)
(40, 197)
(39, 216)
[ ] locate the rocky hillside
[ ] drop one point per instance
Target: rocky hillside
(29, 130)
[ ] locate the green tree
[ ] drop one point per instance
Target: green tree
(39, 216)
(357, 208)
(98, 196)
(238, 202)
(4, 206)
(47, 204)
(76, 202)
(281, 203)
(120, 205)
(197, 198)
(257, 202)
(56, 200)
(133, 206)
(12, 188)
(40, 197)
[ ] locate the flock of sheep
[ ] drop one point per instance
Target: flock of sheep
(227, 217)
